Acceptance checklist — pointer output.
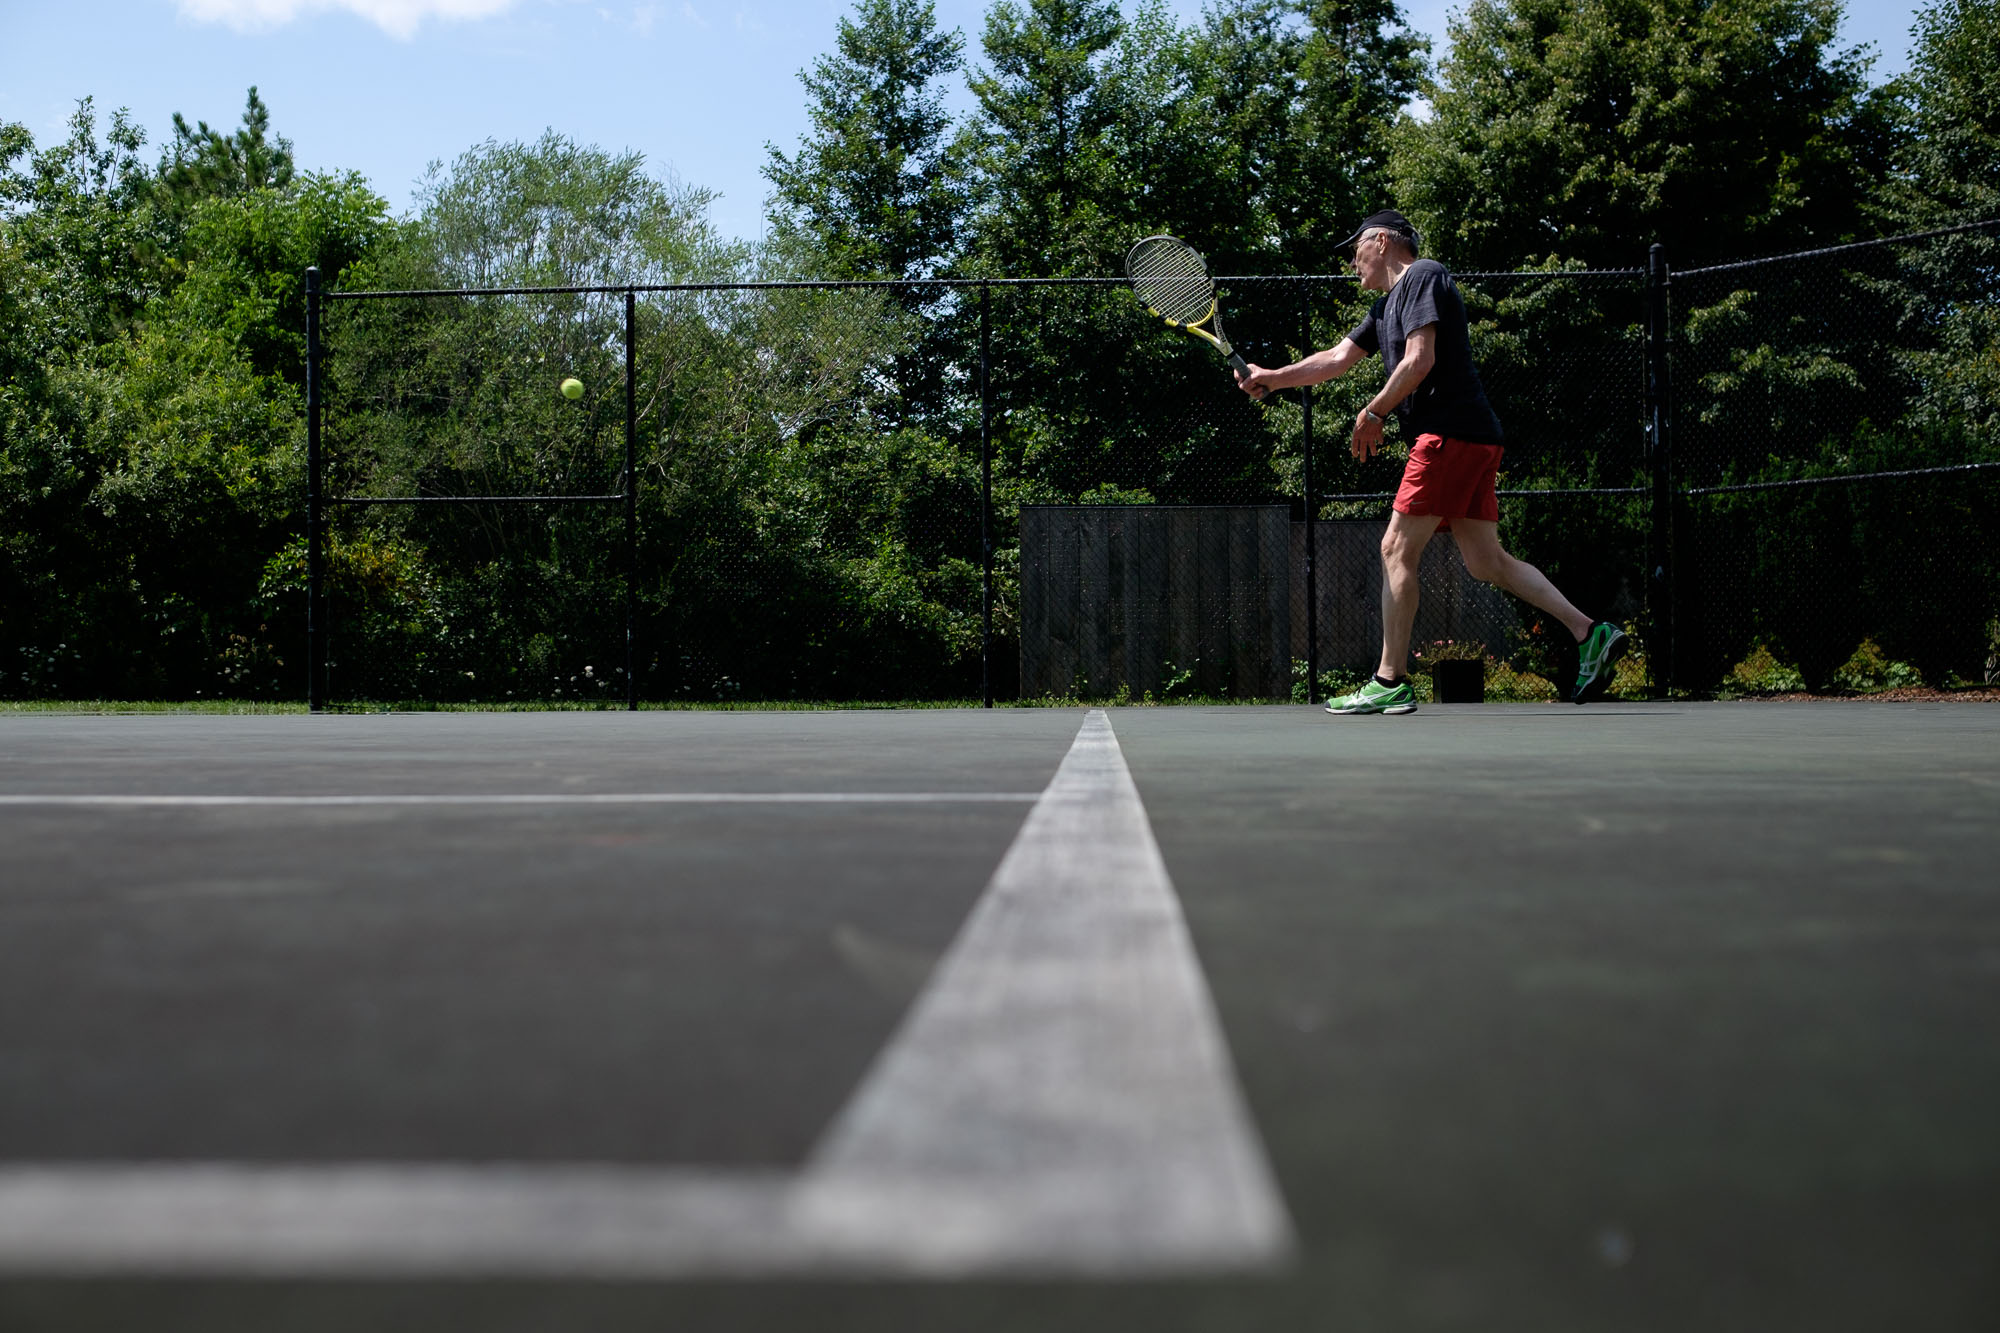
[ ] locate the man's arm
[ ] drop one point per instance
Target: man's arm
(1315, 369)
(1419, 354)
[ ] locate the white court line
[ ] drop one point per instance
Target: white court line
(1061, 1094)
(539, 798)
(1060, 1100)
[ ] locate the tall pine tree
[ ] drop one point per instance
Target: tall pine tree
(1261, 134)
(202, 163)
(1040, 137)
(876, 187)
(1358, 66)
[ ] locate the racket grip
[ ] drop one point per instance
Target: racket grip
(1237, 362)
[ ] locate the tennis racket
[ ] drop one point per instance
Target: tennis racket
(1171, 277)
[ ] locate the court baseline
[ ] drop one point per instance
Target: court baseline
(140, 800)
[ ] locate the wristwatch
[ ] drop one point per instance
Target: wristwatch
(1369, 412)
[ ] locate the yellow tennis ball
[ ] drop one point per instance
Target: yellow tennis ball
(572, 388)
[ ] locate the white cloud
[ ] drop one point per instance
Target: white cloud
(398, 18)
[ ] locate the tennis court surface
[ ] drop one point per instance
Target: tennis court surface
(1638, 1016)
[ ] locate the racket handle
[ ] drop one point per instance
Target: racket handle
(1237, 362)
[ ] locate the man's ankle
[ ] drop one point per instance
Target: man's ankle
(1387, 682)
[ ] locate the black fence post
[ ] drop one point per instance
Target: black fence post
(314, 630)
(631, 500)
(1659, 458)
(985, 496)
(1312, 509)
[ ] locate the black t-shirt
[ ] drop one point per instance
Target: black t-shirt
(1450, 402)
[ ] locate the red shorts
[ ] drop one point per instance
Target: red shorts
(1452, 479)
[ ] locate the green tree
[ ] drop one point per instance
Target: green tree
(1587, 130)
(1178, 161)
(151, 415)
(1039, 138)
(1952, 160)
(758, 410)
(1946, 343)
(877, 185)
(246, 259)
(1357, 67)
(202, 163)
(877, 189)
(79, 214)
(74, 218)
(559, 213)
(1241, 101)
(1261, 134)
(458, 396)
(1876, 359)
(201, 441)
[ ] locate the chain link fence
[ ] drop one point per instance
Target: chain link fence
(1836, 462)
(472, 548)
(1031, 489)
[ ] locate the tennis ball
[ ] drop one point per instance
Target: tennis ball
(572, 388)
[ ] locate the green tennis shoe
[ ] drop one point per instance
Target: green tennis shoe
(1595, 656)
(1375, 697)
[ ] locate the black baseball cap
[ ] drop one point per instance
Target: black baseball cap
(1388, 219)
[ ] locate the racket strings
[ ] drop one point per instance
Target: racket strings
(1172, 279)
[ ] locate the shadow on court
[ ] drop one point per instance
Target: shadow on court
(1635, 1017)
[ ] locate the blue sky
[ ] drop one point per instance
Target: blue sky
(386, 86)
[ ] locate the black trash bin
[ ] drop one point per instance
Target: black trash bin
(1458, 682)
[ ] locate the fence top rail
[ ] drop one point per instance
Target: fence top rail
(1838, 477)
(472, 499)
(906, 283)
(827, 284)
(1903, 239)
(1704, 490)
(1359, 496)
(950, 284)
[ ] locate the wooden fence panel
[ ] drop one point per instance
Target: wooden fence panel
(1210, 599)
(1140, 595)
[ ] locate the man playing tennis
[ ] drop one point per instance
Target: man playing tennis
(1419, 327)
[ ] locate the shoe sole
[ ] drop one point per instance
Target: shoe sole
(1391, 710)
(1601, 682)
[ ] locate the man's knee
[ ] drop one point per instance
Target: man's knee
(1398, 551)
(1486, 566)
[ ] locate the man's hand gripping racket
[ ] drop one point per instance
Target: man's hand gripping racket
(1171, 277)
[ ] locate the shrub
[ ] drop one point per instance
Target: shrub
(1505, 685)
(1762, 673)
(1870, 670)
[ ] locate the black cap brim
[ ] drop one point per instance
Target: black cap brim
(1387, 219)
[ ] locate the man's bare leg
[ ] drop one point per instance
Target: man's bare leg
(1487, 561)
(1402, 549)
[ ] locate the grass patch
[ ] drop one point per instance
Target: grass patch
(245, 707)
(229, 707)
